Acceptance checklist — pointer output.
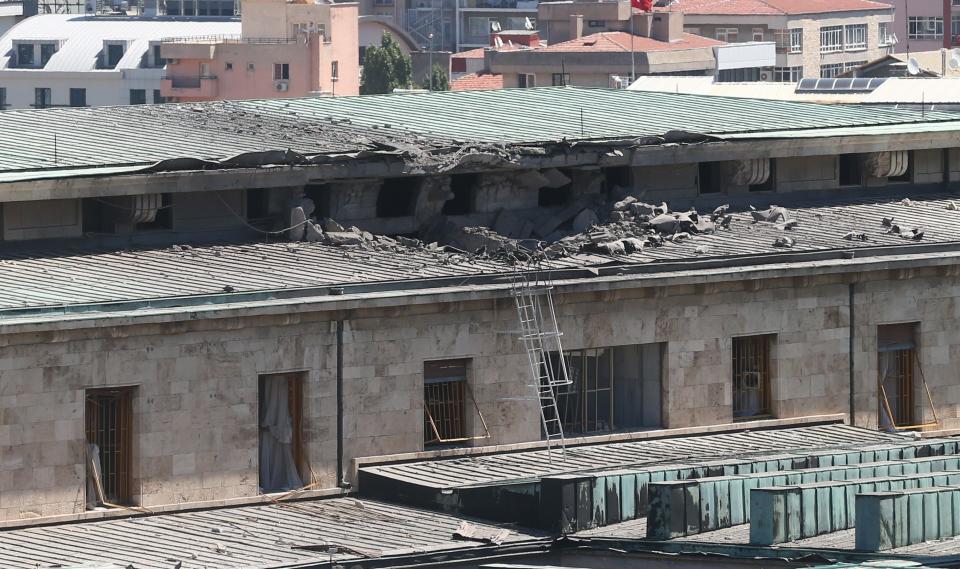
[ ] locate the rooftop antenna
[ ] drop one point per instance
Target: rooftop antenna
(913, 66)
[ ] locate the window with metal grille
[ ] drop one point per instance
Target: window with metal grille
(611, 388)
(855, 37)
(896, 364)
(751, 376)
(444, 401)
(561, 79)
(283, 460)
(109, 429)
(886, 38)
(831, 39)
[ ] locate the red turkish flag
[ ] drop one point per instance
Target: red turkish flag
(642, 5)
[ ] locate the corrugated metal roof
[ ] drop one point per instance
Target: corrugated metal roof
(252, 537)
(531, 465)
(82, 39)
(35, 279)
(115, 136)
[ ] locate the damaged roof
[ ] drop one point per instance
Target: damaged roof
(285, 534)
(50, 143)
(36, 281)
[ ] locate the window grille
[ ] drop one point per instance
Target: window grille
(751, 376)
(445, 397)
(831, 39)
(109, 419)
(855, 37)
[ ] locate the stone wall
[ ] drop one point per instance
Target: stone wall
(196, 400)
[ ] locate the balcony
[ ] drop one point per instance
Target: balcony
(202, 47)
(189, 86)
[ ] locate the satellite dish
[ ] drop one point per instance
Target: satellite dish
(495, 26)
(527, 24)
(913, 66)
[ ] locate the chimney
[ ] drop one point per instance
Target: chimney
(667, 26)
(576, 26)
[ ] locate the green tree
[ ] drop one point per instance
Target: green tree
(437, 81)
(385, 68)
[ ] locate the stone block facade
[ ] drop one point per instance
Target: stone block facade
(195, 403)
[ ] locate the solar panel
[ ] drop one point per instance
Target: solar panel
(839, 85)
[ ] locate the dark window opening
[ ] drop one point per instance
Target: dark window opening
(25, 55)
(157, 60)
(618, 177)
(157, 97)
(907, 176)
(556, 196)
(770, 184)
(611, 388)
(851, 172)
(283, 461)
(397, 197)
(109, 433)
(114, 55)
(463, 201)
(161, 219)
(444, 401)
(46, 52)
(100, 215)
(138, 96)
(257, 203)
(78, 97)
(751, 376)
(42, 98)
(320, 195)
(708, 177)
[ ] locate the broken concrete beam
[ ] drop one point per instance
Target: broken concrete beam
(532, 179)
(298, 220)
(555, 178)
(585, 220)
(623, 204)
(640, 208)
(342, 238)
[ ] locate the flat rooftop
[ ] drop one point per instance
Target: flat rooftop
(59, 281)
(424, 127)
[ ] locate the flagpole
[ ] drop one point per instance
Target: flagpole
(633, 56)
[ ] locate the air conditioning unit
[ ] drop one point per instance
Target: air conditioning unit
(283, 86)
(764, 76)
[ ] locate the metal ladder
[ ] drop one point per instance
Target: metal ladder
(540, 335)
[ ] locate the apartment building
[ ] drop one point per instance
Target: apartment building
(285, 49)
(217, 302)
(70, 60)
(921, 25)
(610, 59)
(10, 14)
(813, 38)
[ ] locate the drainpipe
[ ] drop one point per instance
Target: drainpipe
(341, 480)
(852, 335)
(946, 168)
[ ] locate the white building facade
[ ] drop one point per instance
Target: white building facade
(86, 61)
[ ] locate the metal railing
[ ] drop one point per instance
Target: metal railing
(187, 81)
(231, 39)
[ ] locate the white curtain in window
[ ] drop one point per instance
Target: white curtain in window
(888, 365)
(278, 471)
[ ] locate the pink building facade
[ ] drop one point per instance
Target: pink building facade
(926, 25)
(286, 49)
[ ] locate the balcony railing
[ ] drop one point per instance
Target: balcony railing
(500, 4)
(233, 39)
(187, 81)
